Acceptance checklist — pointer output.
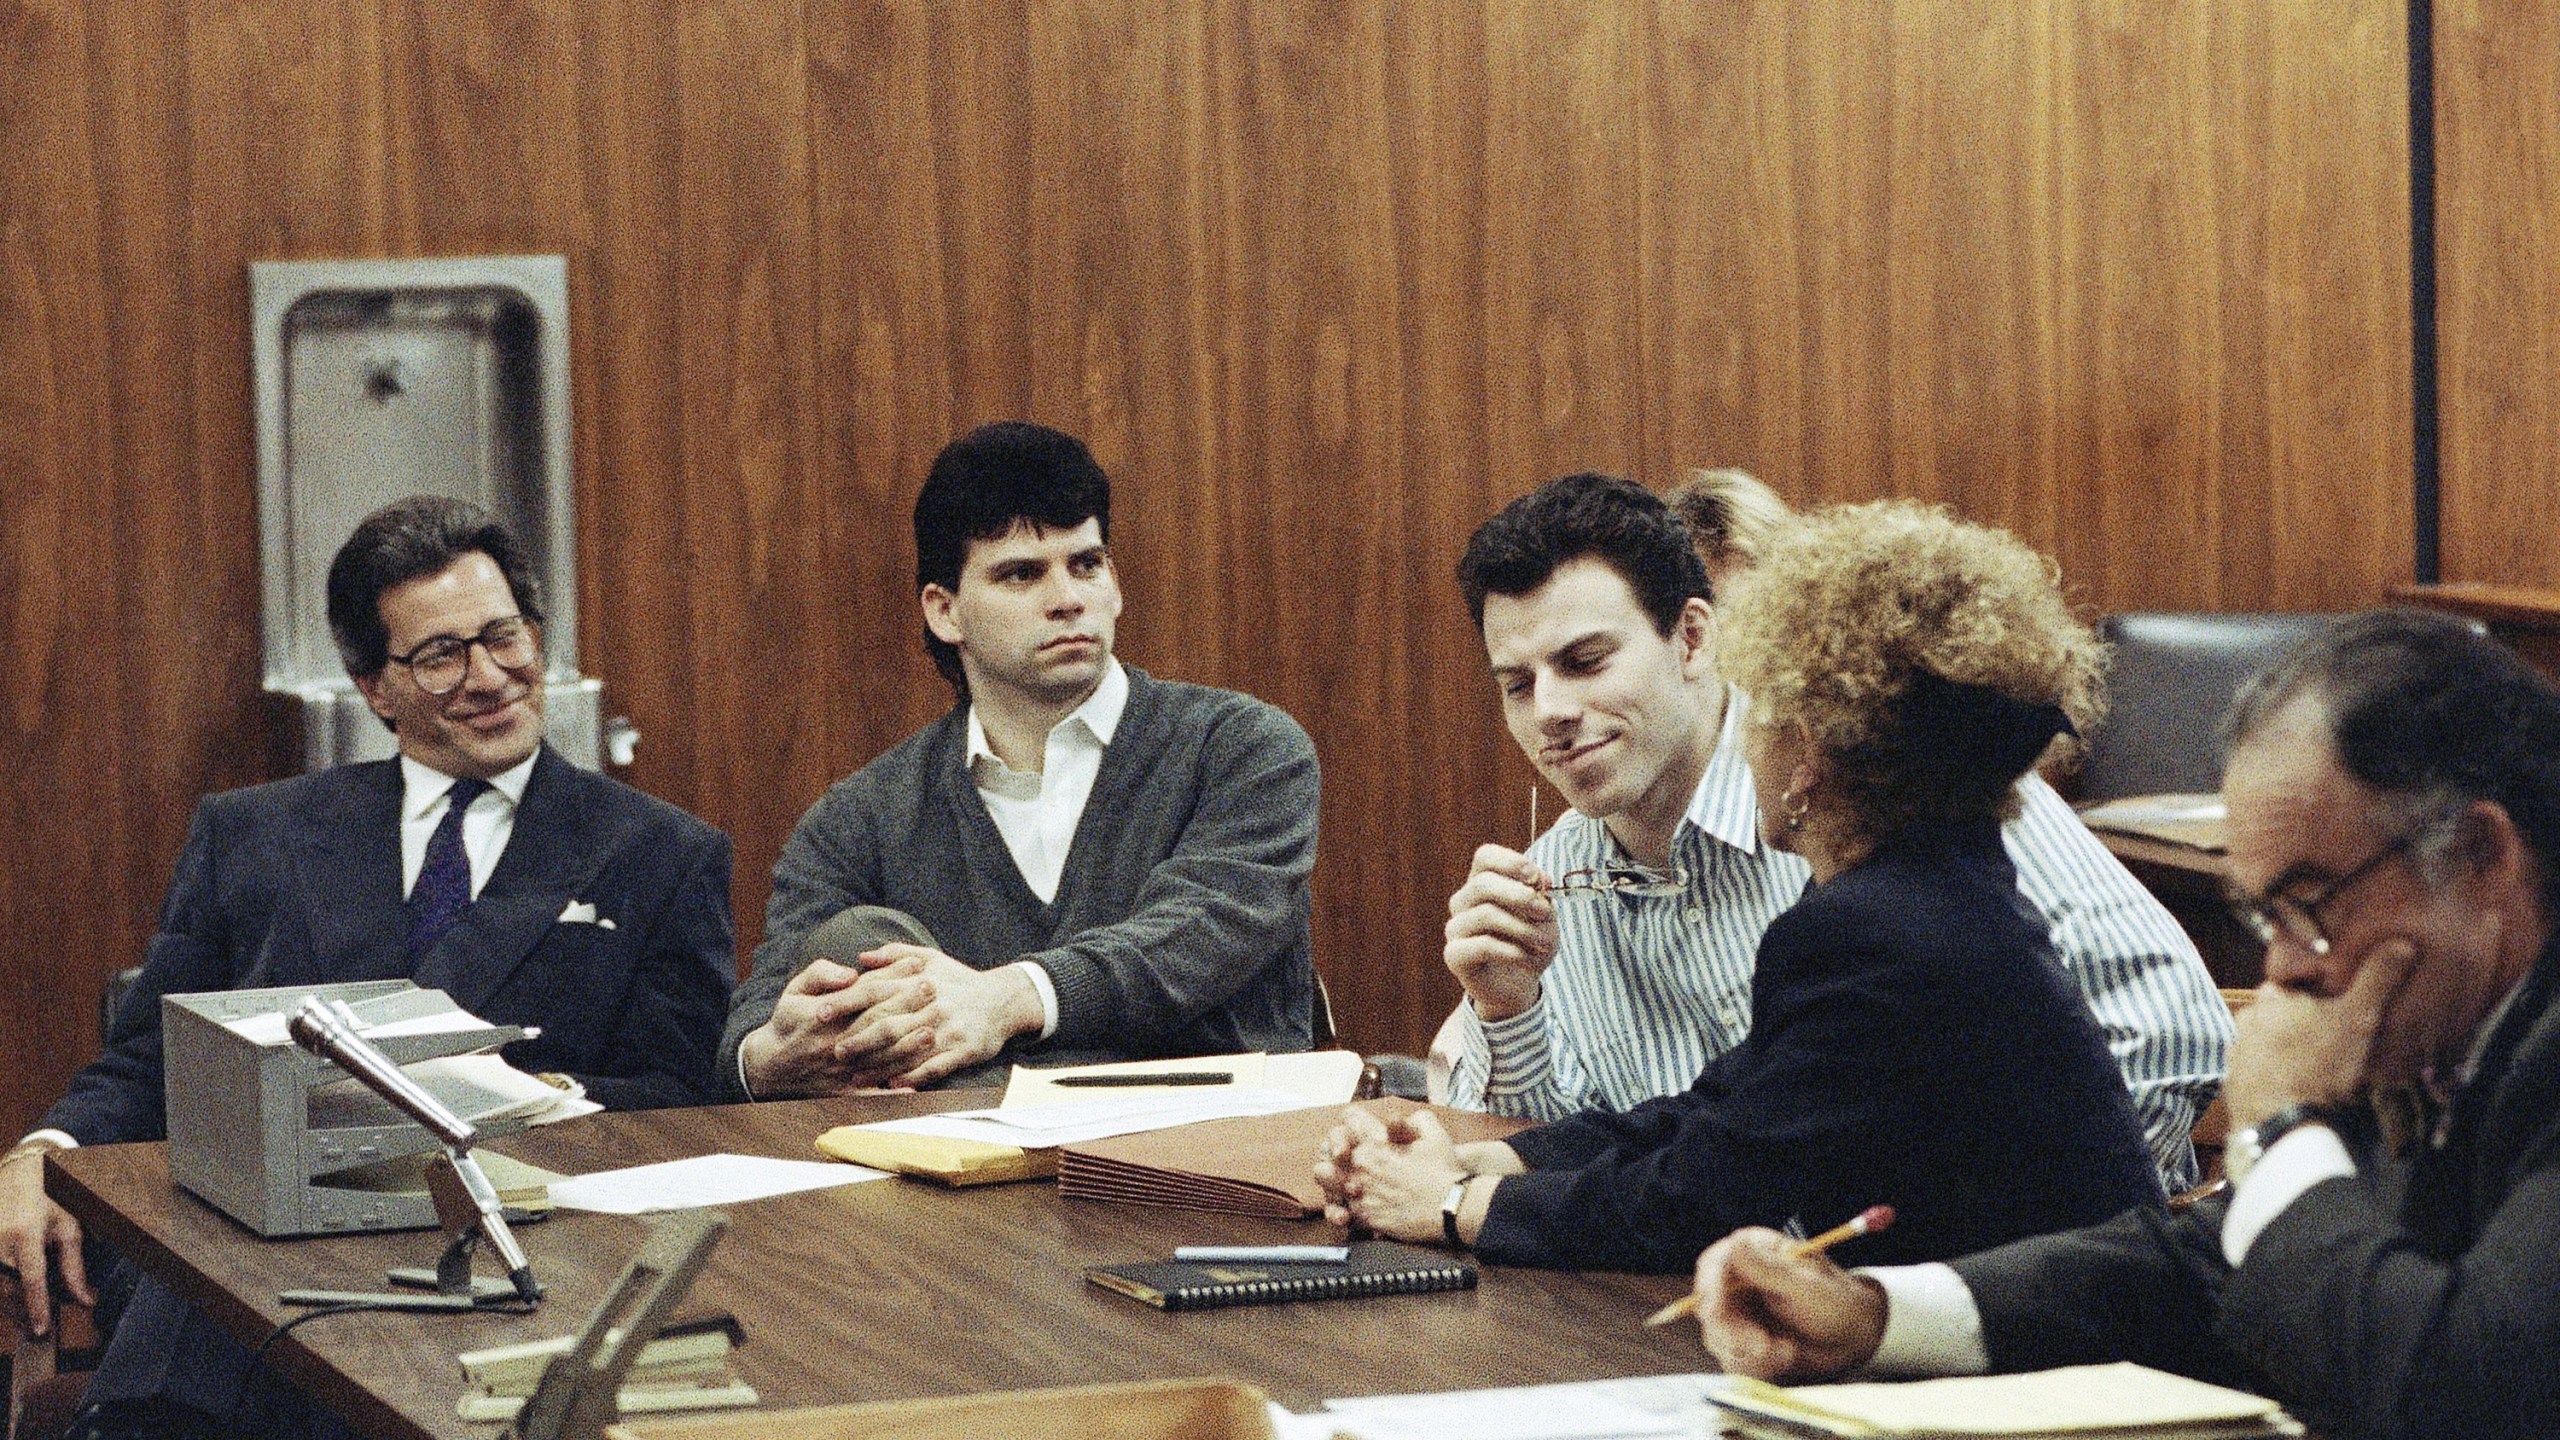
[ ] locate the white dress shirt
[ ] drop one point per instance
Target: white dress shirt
(486, 826)
(1037, 811)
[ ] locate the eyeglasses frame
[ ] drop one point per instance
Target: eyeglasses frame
(2264, 915)
(1626, 881)
(464, 644)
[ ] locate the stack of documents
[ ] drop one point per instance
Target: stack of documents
(1262, 1165)
(1641, 1407)
(2085, 1402)
(685, 1368)
(1020, 1139)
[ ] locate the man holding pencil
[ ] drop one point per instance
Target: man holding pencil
(2385, 1262)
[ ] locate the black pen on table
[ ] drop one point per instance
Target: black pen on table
(1168, 1077)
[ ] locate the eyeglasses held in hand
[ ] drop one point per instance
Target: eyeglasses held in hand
(440, 665)
(1631, 881)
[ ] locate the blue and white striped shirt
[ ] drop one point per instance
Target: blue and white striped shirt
(1643, 992)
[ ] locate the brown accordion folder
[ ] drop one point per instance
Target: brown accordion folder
(1259, 1165)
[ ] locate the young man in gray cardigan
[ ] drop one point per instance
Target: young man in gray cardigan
(1079, 862)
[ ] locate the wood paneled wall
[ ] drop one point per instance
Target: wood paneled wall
(2498, 289)
(1323, 282)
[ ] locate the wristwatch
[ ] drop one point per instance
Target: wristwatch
(1449, 1207)
(2244, 1147)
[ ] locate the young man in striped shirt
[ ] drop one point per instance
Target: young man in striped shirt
(1578, 1001)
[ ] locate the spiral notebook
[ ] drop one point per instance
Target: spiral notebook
(1376, 1267)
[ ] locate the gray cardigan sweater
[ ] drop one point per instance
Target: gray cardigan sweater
(1180, 923)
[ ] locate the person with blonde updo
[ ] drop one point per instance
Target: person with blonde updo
(1912, 1040)
(1732, 515)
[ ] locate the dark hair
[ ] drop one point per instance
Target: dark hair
(1616, 521)
(986, 483)
(2430, 713)
(409, 540)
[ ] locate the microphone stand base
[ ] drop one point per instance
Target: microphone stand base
(388, 1299)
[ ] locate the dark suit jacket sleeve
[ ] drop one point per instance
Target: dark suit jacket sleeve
(1583, 1139)
(118, 1097)
(680, 994)
(2143, 1286)
(1212, 915)
(2336, 1300)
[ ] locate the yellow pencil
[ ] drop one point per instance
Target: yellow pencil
(1868, 1222)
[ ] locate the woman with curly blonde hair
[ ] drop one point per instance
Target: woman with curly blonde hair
(1912, 666)
(1913, 1041)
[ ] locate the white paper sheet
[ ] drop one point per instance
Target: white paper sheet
(703, 1180)
(274, 1027)
(1639, 1407)
(1328, 1077)
(2043, 1402)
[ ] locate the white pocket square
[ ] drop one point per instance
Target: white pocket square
(581, 912)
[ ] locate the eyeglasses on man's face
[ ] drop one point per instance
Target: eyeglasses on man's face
(2297, 917)
(442, 664)
(1630, 881)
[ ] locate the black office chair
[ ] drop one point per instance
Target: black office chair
(2172, 675)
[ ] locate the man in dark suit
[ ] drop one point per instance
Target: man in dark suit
(2385, 1263)
(479, 863)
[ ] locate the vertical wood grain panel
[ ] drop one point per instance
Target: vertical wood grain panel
(2339, 527)
(2498, 253)
(1324, 282)
(632, 405)
(750, 610)
(67, 892)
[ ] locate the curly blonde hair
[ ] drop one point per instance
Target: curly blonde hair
(1923, 656)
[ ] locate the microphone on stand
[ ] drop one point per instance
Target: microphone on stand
(331, 1035)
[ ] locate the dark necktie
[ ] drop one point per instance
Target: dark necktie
(444, 881)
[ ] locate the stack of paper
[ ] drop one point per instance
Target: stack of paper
(2086, 1402)
(1263, 1165)
(1641, 1407)
(685, 1368)
(1020, 1139)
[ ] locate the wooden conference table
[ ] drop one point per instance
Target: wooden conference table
(889, 1290)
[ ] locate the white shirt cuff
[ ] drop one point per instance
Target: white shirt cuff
(2300, 1159)
(1048, 988)
(1931, 1325)
(58, 1137)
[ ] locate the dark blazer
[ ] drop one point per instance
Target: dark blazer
(2419, 1297)
(298, 882)
(1912, 1043)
